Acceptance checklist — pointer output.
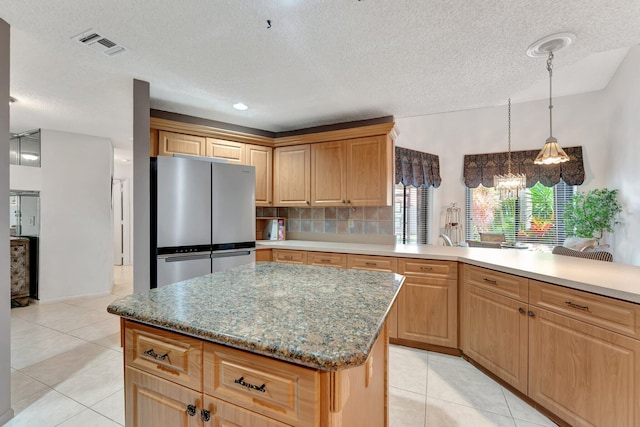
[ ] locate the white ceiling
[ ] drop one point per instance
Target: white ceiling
(323, 61)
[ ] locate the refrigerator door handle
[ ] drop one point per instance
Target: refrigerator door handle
(185, 258)
(230, 254)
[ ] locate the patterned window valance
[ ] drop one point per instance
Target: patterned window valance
(481, 168)
(417, 169)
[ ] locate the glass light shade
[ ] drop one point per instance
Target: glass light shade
(551, 153)
(510, 185)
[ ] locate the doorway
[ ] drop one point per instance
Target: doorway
(121, 222)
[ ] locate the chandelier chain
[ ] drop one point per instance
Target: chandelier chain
(509, 141)
(550, 69)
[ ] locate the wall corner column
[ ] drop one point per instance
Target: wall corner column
(141, 187)
(6, 413)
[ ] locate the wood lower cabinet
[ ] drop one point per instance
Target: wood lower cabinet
(170, 143)
(153, 401)
(587, 375)
(427, 306)
(495, 334)
(292, 175)
(264, 255)
(327, 259)
(239, 388)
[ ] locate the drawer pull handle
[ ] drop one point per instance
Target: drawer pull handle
(205, 414)
(373, 264)
(243, 383)
(325, 260)
(492, 281)
(577, 306)
(191, 410)
(155, 355)
(521, 310)
(287, 257)
(426, 268)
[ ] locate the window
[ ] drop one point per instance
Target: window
(411, 213)
(535, 218)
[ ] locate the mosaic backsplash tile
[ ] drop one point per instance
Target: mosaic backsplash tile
(365, 220)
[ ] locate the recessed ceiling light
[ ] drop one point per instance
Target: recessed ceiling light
(240, 106)
(12, 100)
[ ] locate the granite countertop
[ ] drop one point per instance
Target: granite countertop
(620, 281)
(320, 317)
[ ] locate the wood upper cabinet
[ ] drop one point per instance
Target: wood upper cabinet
(369, 171)
(355, 172)
(428, 302)
(291, 175)
(170, 143)
(495, 333)
(231, 151)
(329, 174)
(262, 158)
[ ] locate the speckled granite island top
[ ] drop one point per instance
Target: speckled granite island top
(320, 317)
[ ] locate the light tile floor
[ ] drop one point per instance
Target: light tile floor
(67, 371)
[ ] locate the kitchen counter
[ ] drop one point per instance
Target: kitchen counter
(318, 317)
(614, 280)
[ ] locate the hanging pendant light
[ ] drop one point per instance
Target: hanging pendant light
(552, 152)
(509, 185)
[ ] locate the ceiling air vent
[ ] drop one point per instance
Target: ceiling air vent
(98, 42)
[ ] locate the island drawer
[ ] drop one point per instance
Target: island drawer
(286, 255)
(165, 354)
(276, 389)
(327, 259)
(502, 283)
(372, 262)
(428, 268)
(608, 313)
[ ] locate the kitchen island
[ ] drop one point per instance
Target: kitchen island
(265, 344)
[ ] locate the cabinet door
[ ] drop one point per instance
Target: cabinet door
(151, 401)
(224, 414)
(177, 143)
(291, 177)
(584, 374)
(231, 151)
(495, 334)
(369, 171)
(328, 174)
(327, 259)
(427, 311)
(262, 159)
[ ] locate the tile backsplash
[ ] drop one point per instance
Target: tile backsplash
(369, 220)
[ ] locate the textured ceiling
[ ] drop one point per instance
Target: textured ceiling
(321, 62)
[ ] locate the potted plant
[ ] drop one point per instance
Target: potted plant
(591, 214)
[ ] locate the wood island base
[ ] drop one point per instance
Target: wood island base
(177, 380)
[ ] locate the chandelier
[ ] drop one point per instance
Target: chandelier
(509, 185)
(552, 153)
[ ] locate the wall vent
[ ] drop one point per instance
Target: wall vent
(98, 42)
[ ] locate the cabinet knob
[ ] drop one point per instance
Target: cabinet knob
(306, 201)
(205, 414)
(348, 201)
(531, 313)
(521, 310)
(191, 410)
(344, 201)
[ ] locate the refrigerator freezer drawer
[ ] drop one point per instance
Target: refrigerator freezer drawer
(173, 269)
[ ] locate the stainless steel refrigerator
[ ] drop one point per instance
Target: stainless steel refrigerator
(202, 219)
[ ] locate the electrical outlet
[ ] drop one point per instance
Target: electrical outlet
(350, 222)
